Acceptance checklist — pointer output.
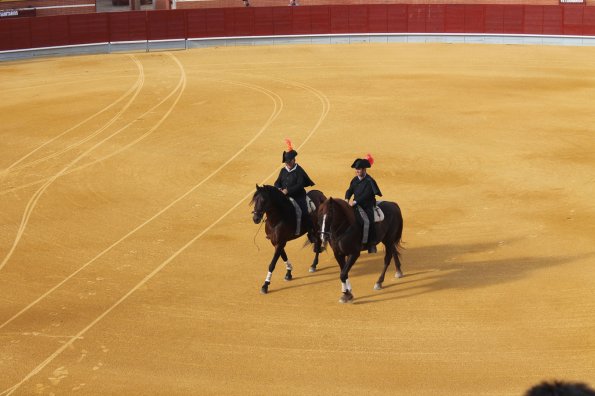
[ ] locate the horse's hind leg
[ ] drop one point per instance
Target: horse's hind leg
(399, 273)
(265, 287)
(388, 255)
(288, 265)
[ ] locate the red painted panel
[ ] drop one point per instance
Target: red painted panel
(339, 19)
(196, 23)
(436, 18)
(397, 18)
(320, 19)
(301, 22)
(40, 32)
(137, 25)
(377, 18)
(5, 35)
(514, 18)
(455, 18)
(243, 21)
(358, 19)
(282, 17)
(494, 18)
(416, 18)
(573, 19)
(533, 20)
(474, 18)
(98, 27)
(157, 25)
(176, 24)
(15, 33)
(215, 22)
(589, 21)
(77, 29)
(119, 26)
(263, 21)
(88, 28)
(552, 20)
(166, 24)
(49, 31)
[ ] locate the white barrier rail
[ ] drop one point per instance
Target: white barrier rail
(183, 44)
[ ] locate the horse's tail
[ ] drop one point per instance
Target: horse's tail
(399, 217)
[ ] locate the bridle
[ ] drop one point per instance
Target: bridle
(260, 213)
(324, 234)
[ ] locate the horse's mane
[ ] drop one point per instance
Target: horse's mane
(278, 199)
(345, 210)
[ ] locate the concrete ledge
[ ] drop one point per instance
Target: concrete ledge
(166, 45)
(181, 44)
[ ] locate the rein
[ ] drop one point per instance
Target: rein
(258, 230)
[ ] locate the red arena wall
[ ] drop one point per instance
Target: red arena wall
(22, 33)
(186, 4)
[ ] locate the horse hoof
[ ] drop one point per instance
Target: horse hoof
(265, 288)
(312, 269)
(399, 274)
(347, 297)
(378, 286)
(288, 276)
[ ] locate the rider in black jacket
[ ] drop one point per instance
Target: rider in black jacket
(364, 189)
(292, 181)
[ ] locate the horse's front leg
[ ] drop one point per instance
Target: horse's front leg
(317, 249)
(265, 287)
(288, 265)
(345, 283)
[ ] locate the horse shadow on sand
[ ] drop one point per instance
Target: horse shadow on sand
(435, 268)
(443, 267)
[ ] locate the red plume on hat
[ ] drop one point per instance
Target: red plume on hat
(370, 159)
(289, 145)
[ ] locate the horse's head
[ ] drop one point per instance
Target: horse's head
(261, 203)
(325, 219)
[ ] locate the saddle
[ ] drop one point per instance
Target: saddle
(298, 212)
(310, 205)
(378, 217)
(378, 214)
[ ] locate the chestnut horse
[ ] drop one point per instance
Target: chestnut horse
(281, 224)
(340, 228)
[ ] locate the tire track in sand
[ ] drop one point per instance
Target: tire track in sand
(68, 344)
(278, 107)
(137, 86)
(37, 195)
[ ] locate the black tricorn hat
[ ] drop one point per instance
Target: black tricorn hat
(289, 155)
(361, 163)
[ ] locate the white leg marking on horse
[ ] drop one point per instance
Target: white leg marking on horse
(343, 287)
(288, 265)
(348, 284)
(269, 275)
(322, 230)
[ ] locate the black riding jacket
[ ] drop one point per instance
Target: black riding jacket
(295, 181)
(364, 191)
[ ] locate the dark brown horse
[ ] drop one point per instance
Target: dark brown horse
(339, 227)
(281, 224)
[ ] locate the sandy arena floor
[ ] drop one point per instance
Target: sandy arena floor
(129, 263)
